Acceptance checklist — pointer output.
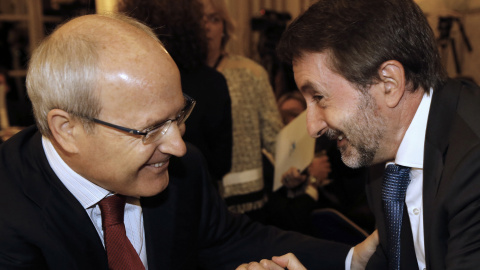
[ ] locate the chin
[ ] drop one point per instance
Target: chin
(148, 187)
(156, 189)
(353, 159)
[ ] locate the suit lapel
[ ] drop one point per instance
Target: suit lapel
(69, 231)
(441, 115)
(70, 227)
(158, 230)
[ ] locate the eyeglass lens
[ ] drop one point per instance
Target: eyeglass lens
(155, 134)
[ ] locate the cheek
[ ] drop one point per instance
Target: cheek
(121, 157)
(217, 31)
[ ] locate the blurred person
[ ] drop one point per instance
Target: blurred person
(9, 110)
(326, 184)
(105, 181)
(291, 104)
(371, 74)
(256, 120)
(4, 88)
(179, 25)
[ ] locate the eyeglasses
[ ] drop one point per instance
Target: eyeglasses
(152, 134)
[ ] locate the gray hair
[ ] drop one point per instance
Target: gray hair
(63, 74)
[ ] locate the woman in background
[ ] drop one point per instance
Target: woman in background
(179, 25)
(255, 116)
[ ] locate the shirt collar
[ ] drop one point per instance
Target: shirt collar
(86, 192)
(410, 152)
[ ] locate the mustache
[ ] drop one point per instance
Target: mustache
(332, 134)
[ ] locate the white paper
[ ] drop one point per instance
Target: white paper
(294, 148)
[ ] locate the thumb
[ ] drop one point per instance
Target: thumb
(289, 261)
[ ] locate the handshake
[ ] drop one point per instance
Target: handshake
(288, 261)
(361, 254)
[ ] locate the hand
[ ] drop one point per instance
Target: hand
(292, 178)
(363, 251)
(320, 168)
(288, 261)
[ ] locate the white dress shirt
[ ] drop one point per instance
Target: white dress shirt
(89, 194)
(410, 154)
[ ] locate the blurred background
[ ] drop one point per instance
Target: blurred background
(23, 24)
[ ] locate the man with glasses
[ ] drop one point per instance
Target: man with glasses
(105, 181)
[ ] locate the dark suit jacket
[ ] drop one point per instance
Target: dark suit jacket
(187, 226)
(451, 185)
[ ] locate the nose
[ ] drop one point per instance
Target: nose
(172, 142)
(207, 26)
(316, 124)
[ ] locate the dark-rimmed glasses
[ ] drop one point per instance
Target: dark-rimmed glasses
(153, 133)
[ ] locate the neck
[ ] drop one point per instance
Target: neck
(398, 121)
(405, 116)
(213, 57)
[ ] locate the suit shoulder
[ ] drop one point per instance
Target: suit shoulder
(241, 62)
(469, 106)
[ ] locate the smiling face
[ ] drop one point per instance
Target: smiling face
(139, 86)
(339, 110)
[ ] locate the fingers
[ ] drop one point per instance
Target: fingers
(289, 261)
(251, 266)
(321, 162)
(292, 178)
(363, 251)
(320, 167)
(262, 265)
(242, 267)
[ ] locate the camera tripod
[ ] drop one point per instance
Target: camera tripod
(444, 27)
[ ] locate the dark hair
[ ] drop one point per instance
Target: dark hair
(360, 35)
(178, 24)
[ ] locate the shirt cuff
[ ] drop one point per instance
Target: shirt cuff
(348, 260)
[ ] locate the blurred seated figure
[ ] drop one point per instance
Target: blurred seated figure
(11, 113)
(326, 184)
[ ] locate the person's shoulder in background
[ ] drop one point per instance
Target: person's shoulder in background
(234, 61)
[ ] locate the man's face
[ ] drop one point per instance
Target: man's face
(336, 108)
(138, 89)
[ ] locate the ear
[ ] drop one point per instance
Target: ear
(64, 129)
(392, 75)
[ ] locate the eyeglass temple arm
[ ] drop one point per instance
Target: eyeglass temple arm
(132, 131)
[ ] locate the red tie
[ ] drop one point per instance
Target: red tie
(120, 252)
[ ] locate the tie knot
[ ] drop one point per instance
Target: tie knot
(395, 182)
(112, 209)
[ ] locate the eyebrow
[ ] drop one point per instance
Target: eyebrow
(166, 119)
(215, 13)
(307, 87)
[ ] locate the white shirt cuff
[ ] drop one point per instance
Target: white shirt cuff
(348, 260)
